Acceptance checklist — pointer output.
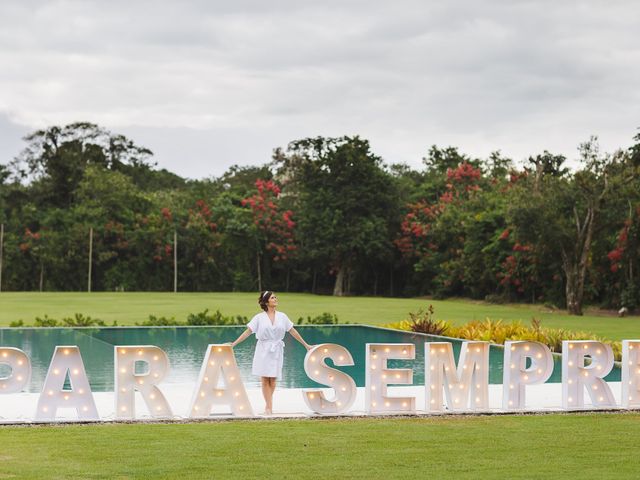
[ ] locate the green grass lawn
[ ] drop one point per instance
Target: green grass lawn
(585, 446)
(551, 446)
(129, 308)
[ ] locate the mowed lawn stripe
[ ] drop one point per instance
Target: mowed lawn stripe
(554, 446)
(132, 308)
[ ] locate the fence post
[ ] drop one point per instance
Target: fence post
(175, 261)
(1, 250)
(90, 258)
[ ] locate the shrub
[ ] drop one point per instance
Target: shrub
(325, 318)
(154, 321)
(241, 320)
(401, 325)
(45, 322)
(497, 331)
(216, 318)
(493, 298)
(79, 320)
(423, 322)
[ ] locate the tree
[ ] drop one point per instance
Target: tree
(452, 239)
(274, 230)
(4, 175)
(200, 243)
(548, 165)
(499, 167)
(56, 158)
(562, 212)
(635, 151)
(240, 247)
(344, 200)
(440, 160)
(110, 203)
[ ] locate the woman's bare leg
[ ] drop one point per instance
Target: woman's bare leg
(272, 386)
(267, 393)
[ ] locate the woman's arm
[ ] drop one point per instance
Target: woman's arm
(242, 337)
(294, 333)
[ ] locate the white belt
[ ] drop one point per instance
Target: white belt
(275, 346)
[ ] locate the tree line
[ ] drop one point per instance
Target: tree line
(324, 215)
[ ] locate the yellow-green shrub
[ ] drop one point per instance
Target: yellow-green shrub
(497, 331)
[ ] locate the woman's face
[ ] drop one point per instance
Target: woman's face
(273, 301)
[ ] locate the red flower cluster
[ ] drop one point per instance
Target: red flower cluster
(415, 229)
(166, 213)
(615, 256)
(163, 252)
(463, 173)
(522, 248)
(447, 197)
(29, 238)
(202, 215)
(29, 235)
(286, 216)
(516, 268)
(515, 177)
(116, 230)
(267, 186)
(277, 228)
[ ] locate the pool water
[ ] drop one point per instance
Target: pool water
(186, 346)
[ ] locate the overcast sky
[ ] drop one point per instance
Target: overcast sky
(207, 84)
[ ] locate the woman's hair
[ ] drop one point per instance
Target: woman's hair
(263, 300)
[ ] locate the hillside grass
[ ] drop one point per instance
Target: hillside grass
(129, 308)
(589, 446)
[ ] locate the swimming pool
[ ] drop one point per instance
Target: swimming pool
(186, 346)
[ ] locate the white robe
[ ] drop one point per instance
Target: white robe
(269, 354)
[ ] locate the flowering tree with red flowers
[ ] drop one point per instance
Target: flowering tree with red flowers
(422, 217)
(415, 228)
(163, 247)
(518, 269)
(465, 177)
(430, 233)
(274, 229)
(623, 260)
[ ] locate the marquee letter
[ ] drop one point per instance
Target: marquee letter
(378, 376)
(630, 373)
(20, 370)
(516, 375)
(127, 381)
(470, 382)
(219, 364)
(318, 371)
(575, 375)
(66, 360)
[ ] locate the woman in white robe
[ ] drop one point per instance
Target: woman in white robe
(270, 327)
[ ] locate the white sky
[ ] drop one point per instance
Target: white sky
(206, 84)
